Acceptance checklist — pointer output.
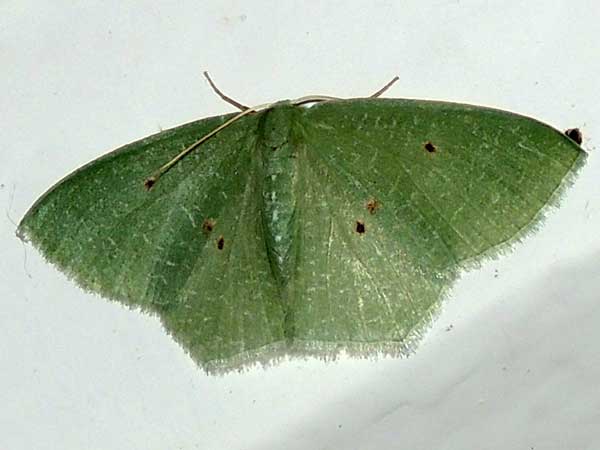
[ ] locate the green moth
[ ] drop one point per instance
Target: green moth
(293, 229)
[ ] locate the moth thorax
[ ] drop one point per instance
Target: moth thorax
(276, 124)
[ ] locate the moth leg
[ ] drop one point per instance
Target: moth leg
(223, 96)
(385, 88)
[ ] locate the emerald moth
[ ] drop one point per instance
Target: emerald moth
(289, 229)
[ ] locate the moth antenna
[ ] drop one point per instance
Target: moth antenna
(223, 96)
(385, 88)
(313, 99)
(153, 179)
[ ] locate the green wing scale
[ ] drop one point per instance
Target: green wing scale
(335, 227)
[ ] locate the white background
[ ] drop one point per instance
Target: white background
(512, 363)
